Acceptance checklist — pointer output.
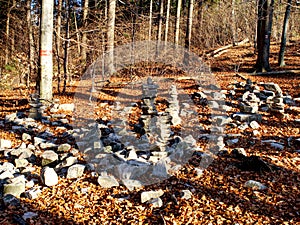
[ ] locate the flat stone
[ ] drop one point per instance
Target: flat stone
(232, 141)
(273, 87)
(107, 181)
(67, 107)
(26, 153)
(26, 137)
(5, 143)
(7, 166)
(37, 141)
(155, 202)
(47, 145)
(29, 215)
(6, 174)
(15, 189)
(147, 195)
(131, 184)
(244, 117)
(48, 157)
(49, 176)
(255, 185)
(254, 125)
(64, 147)
(186, 194)
(33, 193)
(69, 161)
(21, 163)
(75, 171)
(10, 117)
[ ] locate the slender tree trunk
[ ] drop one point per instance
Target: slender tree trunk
(262, 62)
(58, 43)
(284, 33)
(30, 42)
(77, 33)
(46, 64)
(105, 9)
(188, 35)
(84, 37)
(161, 12)
(233, 23)
(111, 34)
(177, 26)
(150, 20)
(167, 20)
(66, 45)
(7, 29)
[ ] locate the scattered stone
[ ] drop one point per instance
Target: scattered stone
(15, 188)
(186, 194)
(64, 147)
(37, 141)
(49, 177)
(49, 157)
(33, 193)
(5, 143)
(67, 107)
(6, 174)
(245, 117)
(232, 141)
(75, 171)
(11, 200)
(131, 184)
(29, 215)
(106, 181)
(155, 202)
(69, 161)
(26, 137)
(255, 185)
(254, 125)
(21, 163)
(147, 195)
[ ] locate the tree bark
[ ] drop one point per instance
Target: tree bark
(46, 64)
(150, 20)
(31, 68)
(8, 15)
(161, 12)
(84, 37)
(177, 26)
(111, 34)
(264, 28)
(58, 32)
(284, 33)
(167, 20)
(66, 45)
(188, 35)
(233, 23)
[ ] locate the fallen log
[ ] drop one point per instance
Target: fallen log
(275, 73)
(215, 52)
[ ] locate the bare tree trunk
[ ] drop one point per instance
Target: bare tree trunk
(150, 20)
(188, 35)
(58, 32)
(284, 33)
(167, 20)
(111, 34)
(46, 64)
(8, 15)
(161, 12)
(105, 9)
(233, 23)
(84, 37)
(30, 42)
(177, 26)
(77, 33)
(66, 46)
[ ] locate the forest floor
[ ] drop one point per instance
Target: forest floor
(219, 195)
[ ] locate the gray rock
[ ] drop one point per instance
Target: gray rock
(64, 147)
(232, 141)
(186, 194)
(16, 152)
(6, 166)
(254, 125)
(147, 195)
(273, 87)
(67, 107)
(37, 141)
(33, 193)
(10, 200)
(244, 117)
(277, 145)
(255, 185)
(106, 181)
(6, 174)
(131, 184)
(47, 145)
(49, 176)
(155, 202)
(69, 161)
(15, 189)
(21, 163)
(75, 171)
(29, 215)
(48, 157)
(26, 137)
(26, 153)
(5, 143)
